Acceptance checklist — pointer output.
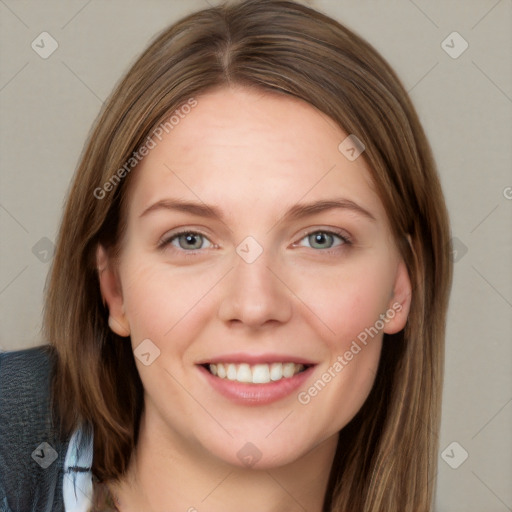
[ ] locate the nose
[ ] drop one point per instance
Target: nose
(255, 294)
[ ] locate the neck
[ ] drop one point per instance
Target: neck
(165, 473)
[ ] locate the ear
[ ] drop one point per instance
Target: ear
(400, 301)
(111, 292)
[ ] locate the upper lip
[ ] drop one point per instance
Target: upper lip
(256, 359)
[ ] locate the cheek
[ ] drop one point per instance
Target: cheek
(346, 301)
(349, 303)
(163, 304)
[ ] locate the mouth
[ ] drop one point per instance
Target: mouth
(255, 373)
(255, 380)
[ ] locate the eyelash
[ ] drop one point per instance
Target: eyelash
(166, 242)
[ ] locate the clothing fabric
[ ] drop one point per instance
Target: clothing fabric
(36, 466)
(38, 471)
(77, 485)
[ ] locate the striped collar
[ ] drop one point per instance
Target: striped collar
(77, 484)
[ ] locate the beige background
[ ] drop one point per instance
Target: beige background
(465, 104)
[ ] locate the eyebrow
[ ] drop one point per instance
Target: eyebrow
(297, 211)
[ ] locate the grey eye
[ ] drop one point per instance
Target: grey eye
(188, 240)
(321, 238)
(324, 239)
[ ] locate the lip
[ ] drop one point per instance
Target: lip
(256, 394)
(238, 358)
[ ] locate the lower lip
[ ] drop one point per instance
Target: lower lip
(256, 394)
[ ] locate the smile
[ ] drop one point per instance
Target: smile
(256, 380)
(257, 373)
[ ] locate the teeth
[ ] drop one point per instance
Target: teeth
(288, 370)
(244, 373)
(256, 374)
(276, 371)
(221, 370)
(231, 372)
(260, 374)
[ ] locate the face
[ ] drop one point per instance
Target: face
(257, 276)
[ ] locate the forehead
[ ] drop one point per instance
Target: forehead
(240, 147)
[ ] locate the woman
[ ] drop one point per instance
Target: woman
(247, 303)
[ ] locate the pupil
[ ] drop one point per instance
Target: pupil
(321, 238)
(190, 238)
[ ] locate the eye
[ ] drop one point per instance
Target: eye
(186, 240)
(189, 241)
(324, 239)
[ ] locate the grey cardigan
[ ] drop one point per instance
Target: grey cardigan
(25, 423)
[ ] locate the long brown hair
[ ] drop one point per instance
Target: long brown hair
(387, 455)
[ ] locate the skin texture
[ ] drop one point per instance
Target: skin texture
(253, 155)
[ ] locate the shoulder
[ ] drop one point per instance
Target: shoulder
(26, 360)
(31, 454)
(24, 384)
(24, 381)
